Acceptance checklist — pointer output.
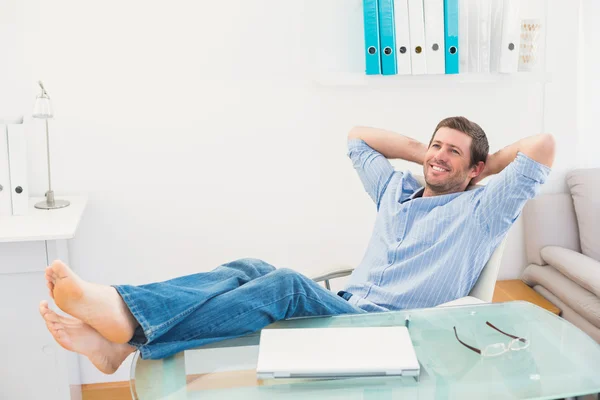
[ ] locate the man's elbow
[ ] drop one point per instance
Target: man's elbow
(546, 149)
(354, 133)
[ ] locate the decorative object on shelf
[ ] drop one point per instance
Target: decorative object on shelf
(529, 46)
(43, 110)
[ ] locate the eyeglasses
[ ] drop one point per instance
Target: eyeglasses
(496, 349)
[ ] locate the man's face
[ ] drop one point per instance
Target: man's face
(447, 161)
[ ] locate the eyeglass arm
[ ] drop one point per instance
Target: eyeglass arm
(507, 334)
(476, 350)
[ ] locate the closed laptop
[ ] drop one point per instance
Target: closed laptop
(336, 352)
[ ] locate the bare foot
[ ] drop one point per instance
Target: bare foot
(50, 281)
(81, 338)
(99, 306)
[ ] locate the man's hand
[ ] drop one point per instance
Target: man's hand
(491, 168)
(540, 148)
(484, 174)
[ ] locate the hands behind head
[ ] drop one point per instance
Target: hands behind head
(488, 170)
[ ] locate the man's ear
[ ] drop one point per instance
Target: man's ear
(477, 169)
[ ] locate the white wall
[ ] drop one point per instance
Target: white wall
(202, 131)
(589, 84)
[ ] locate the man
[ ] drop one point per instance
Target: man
(428, 246)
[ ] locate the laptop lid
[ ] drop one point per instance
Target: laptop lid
(336, 352)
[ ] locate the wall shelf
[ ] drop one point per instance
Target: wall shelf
(341, 79)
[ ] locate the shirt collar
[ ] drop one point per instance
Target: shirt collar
(414, 195)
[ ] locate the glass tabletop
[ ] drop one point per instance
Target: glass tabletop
(560, 361)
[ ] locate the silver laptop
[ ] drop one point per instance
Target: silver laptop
(336, 353)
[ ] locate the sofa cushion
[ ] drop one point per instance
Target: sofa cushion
(583, 184)
(584, 303)
(550, 220)
(581, 269)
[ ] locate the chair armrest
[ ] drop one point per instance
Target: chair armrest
(463, 301)
(335, 272)
(581, 269)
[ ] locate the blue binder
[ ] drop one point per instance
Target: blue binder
(371, 17)
(387, 37)
(451, 35)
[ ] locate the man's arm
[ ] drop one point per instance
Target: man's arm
(391, 145)
(521, 168)
(539, 148)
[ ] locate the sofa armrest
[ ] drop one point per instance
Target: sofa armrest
(581, 269)
(335, 272)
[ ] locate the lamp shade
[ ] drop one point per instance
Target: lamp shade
(42, 107)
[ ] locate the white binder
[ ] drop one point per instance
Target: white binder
(509, 45)
(485, 30)
(17, 159)
(434, 36)
(496, 34)
(463, 36)
(480, 19)
(5, 200)
(403, 47)
(416, 24)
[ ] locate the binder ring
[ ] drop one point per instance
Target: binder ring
(387, 51)
(452, 49)
(372, 50)
(435, 47)
(402, 50)
(418, 49)
(511, 46)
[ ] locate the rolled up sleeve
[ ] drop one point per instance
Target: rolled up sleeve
(501, 201)
(374, 170)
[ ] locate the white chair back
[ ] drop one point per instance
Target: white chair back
(484, 287)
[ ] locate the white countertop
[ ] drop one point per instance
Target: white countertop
(56, 224)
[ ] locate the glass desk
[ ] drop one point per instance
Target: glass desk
(561, 361)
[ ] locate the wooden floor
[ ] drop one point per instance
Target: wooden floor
(516, 289)
(106, 391)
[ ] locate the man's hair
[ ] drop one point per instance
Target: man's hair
(479, 145)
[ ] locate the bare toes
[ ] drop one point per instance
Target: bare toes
(43, 307)
(52, 327)
(48, 314)
(49, 274)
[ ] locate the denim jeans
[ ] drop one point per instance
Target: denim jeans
(233, 300)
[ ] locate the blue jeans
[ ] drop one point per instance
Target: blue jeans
(233, 300)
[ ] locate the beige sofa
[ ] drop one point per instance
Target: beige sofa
(562, 234)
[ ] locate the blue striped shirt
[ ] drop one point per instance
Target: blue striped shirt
(425, 251)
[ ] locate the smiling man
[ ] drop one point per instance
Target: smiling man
(428, 247)
(430, 243)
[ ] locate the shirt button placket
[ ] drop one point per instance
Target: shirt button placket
(403, 219)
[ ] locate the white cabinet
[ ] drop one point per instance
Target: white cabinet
(33, 365)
